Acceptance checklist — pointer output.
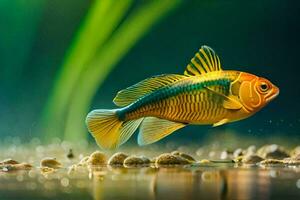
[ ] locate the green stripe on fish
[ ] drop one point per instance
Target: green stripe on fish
(172, 90)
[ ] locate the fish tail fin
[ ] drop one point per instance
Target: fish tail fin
(108, 130)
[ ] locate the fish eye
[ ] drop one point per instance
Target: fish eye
(264, 87)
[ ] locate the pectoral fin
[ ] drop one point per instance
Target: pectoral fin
(231, 103)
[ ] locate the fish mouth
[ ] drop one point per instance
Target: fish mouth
(273, 94)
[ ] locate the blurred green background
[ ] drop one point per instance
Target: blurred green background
(61, 58)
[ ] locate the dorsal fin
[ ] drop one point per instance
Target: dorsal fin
(205, 60)
(132, 93)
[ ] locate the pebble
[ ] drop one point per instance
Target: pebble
(271, 162)
(9, 165)
(212, 154)
(23, 166)
(204, 161)
(291, 161)
(70, 154)
(238, 152)
(8, 161)
(169, 159)
(226, 155)
(50, 163)
(15, 167)
(5, 168)
(296, 157)
(47, 170)
(238, 159)
(295, 151)
(272, 151)
(117, 159)
(251, 159)
(97, 158)
(184, 156)
(251, 149)
(133, 161)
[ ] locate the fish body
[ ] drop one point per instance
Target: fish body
(159, 105)
(187, 100)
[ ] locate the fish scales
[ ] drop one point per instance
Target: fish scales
(184, 101)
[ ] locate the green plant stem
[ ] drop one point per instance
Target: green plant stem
(100, 22)
(133, 28)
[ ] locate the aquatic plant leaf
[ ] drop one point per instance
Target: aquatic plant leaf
(153, 129)
(96, 28)
(138, 22)
(132, 93)
(205, 60)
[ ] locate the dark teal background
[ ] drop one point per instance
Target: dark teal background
(258, 36)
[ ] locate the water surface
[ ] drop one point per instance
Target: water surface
(218, 181)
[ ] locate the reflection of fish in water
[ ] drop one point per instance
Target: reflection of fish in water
(205, 94)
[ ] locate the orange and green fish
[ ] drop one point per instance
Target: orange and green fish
(160, 105)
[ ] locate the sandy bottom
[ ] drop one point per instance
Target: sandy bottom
(220, 180)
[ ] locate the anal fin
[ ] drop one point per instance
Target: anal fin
(153, 129)
(221, 122)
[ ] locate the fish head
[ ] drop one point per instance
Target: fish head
(255, 92)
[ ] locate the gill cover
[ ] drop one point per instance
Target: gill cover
(249, 96)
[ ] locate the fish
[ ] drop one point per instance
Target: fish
(204, 94)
